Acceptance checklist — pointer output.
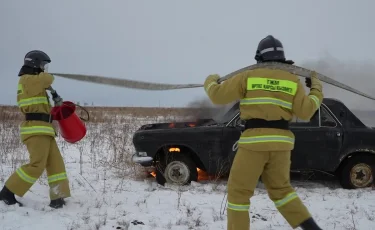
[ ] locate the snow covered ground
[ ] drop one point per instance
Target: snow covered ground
(108, 192)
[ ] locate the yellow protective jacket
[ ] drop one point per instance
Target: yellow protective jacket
(267, 94)
(33, 98)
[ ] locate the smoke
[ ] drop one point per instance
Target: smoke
(358, 74)
(205, 108)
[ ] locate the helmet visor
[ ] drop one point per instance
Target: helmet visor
(44, 66)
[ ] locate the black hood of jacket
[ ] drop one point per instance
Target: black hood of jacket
(29, 70)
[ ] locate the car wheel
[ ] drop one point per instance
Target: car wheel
(357, 172)
(179, 169)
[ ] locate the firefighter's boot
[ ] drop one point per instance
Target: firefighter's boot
(57, 203)
(8, 197)
(310, 224)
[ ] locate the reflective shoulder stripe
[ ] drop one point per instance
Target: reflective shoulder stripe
(275, 85)
(32, 101)
(266, 138)
(266, 100)
(37, 129)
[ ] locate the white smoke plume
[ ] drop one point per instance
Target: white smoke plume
(359, 74)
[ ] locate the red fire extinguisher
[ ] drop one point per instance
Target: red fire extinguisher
(71, 126)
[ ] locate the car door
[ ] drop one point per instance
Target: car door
(231, 134)
(318, 141)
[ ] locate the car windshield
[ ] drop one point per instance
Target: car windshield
(226, 113)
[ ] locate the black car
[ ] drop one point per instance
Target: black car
(334, 141)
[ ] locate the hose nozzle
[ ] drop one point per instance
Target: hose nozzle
(53, 92)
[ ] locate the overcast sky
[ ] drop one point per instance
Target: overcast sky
(182, 42)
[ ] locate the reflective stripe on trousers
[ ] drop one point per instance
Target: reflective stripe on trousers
(266, 100)
(288, 198)
(278, 203)
(238, 207)
(37, 129)
(32, 101)
(266, 138)
(29, 179)
(25, 177)
(57, 177)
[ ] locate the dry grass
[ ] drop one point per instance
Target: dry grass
(110, 114)
(107, 142)
(107, 145)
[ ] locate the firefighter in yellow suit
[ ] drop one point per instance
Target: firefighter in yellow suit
(38, 134)
(268, 100)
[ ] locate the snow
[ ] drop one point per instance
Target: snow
(108, 192)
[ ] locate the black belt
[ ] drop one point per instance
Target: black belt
(260, 123)
(38, 117)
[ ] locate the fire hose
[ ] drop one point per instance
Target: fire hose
(125, 83)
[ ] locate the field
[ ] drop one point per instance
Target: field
(110, 192)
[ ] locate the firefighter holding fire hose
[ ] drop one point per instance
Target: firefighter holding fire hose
(268, 100)
(38, 134)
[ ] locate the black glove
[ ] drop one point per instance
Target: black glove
(58, 100)
(54, 94)
(308, 82)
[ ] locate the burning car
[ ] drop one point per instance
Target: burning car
(334, 141)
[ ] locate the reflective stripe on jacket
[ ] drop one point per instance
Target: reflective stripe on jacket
(268, 94)
(33, 98)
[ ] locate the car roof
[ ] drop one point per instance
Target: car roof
(328, 99)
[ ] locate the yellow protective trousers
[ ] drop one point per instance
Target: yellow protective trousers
(44, 154)
(274, 169)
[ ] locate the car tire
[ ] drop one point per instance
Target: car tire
(357, 172)
(178, 170)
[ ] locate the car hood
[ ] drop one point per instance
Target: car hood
(178, 125)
